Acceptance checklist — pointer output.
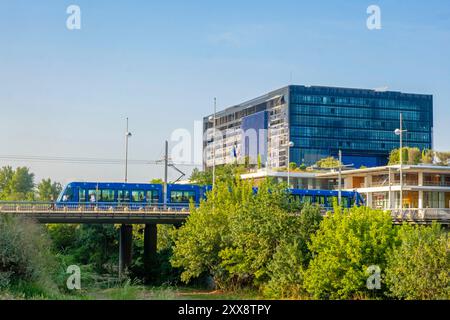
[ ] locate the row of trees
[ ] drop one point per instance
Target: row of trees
(18, 184)
(260, 241)
(414, 156)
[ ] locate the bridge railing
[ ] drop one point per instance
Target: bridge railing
(76, 207)
(421, 214)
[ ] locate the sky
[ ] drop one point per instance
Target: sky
(66, 93)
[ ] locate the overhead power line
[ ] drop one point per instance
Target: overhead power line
(80, 160)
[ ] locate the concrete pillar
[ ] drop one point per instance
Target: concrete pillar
(420, 199)
(150, 248)
(125, 247)
(420, 178)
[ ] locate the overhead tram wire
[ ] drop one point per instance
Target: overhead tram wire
(76, 160)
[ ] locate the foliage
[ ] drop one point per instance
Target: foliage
(329, 162)
(206, 232)
(226, 173)
(412, 156)
(420, 267)
(63, 236)
(16, 184)
(25, 255)
(48, 190)
(97, 245)
(292, 257)
(157, 181)
(346, 244)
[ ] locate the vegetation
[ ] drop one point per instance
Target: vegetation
(413, 156)
(329, 162)
(26, 263)
(245, 245)
(419, 268)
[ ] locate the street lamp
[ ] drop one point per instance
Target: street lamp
(127, 136)
(290, 145)
(399, 132)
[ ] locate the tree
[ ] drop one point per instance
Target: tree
(292, 256)
(16, 184)
(227, 173)
(418, 269)
(48, 190)
(206, 232)
(6, 175)
(329, 162)
(345, 245)
(256, 229)
(157, 181)
(412, 156)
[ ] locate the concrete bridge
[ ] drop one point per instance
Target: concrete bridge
(112, 213)
(153, 214)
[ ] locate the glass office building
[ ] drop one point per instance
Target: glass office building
(320, 121)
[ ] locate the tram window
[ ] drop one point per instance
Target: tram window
(123, 196)
(345, 202)
(81, 195)
(181, 196)
(333, 200)
(320, 200)
(68, 195)
(152, 196)
(92, 195)
(137, 195)
(307, 199)
(106, 195)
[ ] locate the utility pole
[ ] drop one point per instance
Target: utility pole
(399, 132)
(127, 136)
(166, 167)
(214, 144)
(340, 179)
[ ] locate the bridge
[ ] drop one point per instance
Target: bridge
(153, 214)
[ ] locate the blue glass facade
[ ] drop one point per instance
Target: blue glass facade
(361, 123)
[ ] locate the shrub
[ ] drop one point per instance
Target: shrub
(25, 257)
(346, 244)
(420, 267)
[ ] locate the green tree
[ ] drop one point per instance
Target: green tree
(419, 268)
(256, 229)
(346, 244)
(292, 257)
(329, 162)
(206, 233)
(157, 181)
(16, 184)
(6, 175)
(48, 190)
(412, 156)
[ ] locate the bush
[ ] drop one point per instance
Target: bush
(25, 257)
(419, 268)
(346, 244)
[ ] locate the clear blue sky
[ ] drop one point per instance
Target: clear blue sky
(66, 93)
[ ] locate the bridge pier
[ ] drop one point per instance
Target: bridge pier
(150, 249)
(125, 248)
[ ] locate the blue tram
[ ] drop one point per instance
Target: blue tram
(137, 194)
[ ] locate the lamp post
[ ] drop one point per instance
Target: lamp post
(399, 132)
(127, 136)
(213, 120)
(290, 145)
